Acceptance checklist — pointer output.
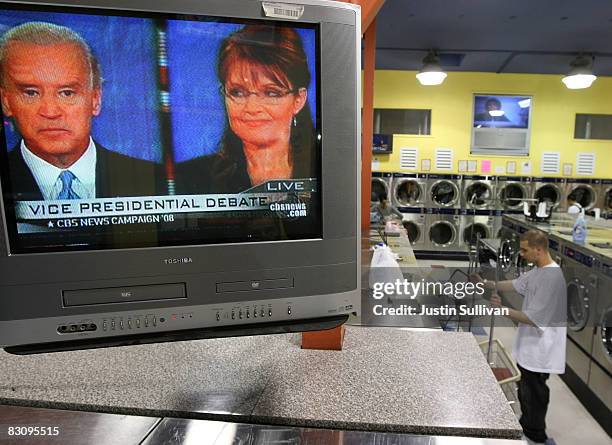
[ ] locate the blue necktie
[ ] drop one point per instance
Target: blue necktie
(67, 193)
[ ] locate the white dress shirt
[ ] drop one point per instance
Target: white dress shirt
(47, 175)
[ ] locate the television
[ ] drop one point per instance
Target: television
(383, 144)
(501, 124)
(170, 170)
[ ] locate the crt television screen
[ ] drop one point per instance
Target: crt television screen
(500, 111)
(141, 131)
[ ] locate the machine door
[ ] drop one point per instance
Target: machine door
(379, 188)
(507, 255)
(442, 233)
(444, 193)
(608, 200)
(585, 195)
(478, 194)
(606, 333)
(577, 305)
(413, 231)
(474, 231)
(512, 195)
(549, 193)
(409, 192)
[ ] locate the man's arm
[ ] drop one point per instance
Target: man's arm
(513, 314)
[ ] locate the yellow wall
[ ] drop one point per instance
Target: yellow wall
(552, 119)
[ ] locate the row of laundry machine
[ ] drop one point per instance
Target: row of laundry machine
(588, 274)
(447, 212)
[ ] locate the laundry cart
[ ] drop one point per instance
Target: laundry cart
(505, 371)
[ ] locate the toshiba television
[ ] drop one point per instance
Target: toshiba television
(176, 170)
(501, 124)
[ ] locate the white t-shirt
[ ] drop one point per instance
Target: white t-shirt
(542, 348)
(574, 209)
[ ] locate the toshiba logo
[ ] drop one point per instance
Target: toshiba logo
(178, 260)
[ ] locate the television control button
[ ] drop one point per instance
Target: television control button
(269, 312)
(137, 322)
(248, 314)
(289, 310)
(104, 326)
(218, 317)
(121, 324)
(129, 323)
(146, 322)
(255, 313)
(240, 315)
(233, 315)
(154, 321)
(263, 314)
(113, 325)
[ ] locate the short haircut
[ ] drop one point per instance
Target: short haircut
(43, 33)
(535, 238)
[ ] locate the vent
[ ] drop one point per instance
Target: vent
(585, 164)
(408, 158)
(551, 162)
(444, 158)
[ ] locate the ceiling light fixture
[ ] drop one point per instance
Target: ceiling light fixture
(581, 75)
(431, 73)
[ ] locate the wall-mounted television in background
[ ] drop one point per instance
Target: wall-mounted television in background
(382, 144)
(501, 124)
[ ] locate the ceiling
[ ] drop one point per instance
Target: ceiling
(509, 36)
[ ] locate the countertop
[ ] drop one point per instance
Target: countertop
(384, 379)
(599, 232)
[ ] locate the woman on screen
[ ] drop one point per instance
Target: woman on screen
(269, 133)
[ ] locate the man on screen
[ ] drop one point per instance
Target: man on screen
(50, 85)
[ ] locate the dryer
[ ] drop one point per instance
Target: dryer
(586, 191)
(582, 292)
(409, 190)
(600, 377)
(474, 224)
(551, 190)
(443, 191)
(478, 192)
(512, 192)
(443, 229)
(605, 196)
(414, 221)
(381, 183)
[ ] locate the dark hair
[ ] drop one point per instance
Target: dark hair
(493, 100)
(535, 238)
(572, 196)
(279, 52)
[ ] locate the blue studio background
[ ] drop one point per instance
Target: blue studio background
(198, 110)
(125, 48)
(517, 115)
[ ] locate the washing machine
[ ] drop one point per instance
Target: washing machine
(409, 190)
(414, 221)
(478, 192)
(443, 191)
(600, 377)
(443, 229)
(512, 192)
(581, 279)
(551, 190)
(476, 224)
(605, 195)
(381, 184)
(586, 191)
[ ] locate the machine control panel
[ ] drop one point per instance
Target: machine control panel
(579, 257)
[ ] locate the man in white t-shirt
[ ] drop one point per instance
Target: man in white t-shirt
(539, 347)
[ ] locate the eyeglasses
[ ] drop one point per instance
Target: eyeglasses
(270, 96)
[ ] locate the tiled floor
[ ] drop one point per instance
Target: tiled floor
(569, 423)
